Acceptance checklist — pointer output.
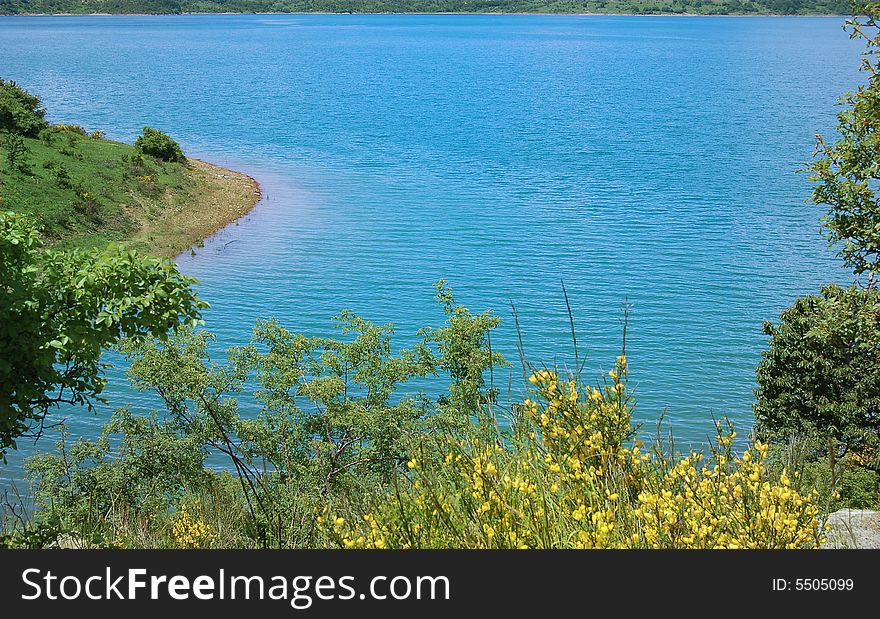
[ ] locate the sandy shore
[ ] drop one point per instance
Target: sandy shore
(218, 198)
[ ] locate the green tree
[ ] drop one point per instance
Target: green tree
(465, 353)
(137, 465)
(59, 310)
(820, 378)
(821, 374)
(333, 423)
(847, 171)
(160, 145)
(16, 151)
(20, 112)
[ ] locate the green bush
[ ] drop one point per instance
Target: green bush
(332, 430)
(44, 533)
(20, 112)
(851, 484)
(58, 311)
(821, 374)
(819, 393)
(159, 145)
(16, 152)
(571, 473)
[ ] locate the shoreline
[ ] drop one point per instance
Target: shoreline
(220, 198)
(657, 14)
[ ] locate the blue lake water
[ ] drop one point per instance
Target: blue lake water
(643, 159)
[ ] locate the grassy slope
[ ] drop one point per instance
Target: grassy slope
(110, 196)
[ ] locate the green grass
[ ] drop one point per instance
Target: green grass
(86, 191)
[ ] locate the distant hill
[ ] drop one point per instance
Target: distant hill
(705, 7)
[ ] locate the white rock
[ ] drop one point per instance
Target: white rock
(854, 528)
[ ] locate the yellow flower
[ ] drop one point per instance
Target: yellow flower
(189, 532)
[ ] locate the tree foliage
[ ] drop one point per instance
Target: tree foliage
(157, 144)
(847, 171)
(821, 374)
(58, 310)
(334, 423)
(21, 113)
(16, 152)
(820, 377)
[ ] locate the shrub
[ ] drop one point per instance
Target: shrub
(126, 480)
(16, 152)
(821, 375)
(51, 346)
(86, 203)
(47, 137)
(20, 112)
(71, 130)
(191, 532)
(136, 165)
(854, 482)
(571, 475)
(157, 144)
(29, 535)
(62, 176)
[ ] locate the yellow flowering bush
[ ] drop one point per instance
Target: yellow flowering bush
(69, 128)
(190, 532)
(865, 455)
(726, 503)
(571, 474)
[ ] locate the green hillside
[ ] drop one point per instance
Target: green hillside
(83, 190)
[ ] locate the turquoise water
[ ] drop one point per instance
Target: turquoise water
(642, 159)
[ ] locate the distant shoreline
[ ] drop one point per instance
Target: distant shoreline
(451, 13)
